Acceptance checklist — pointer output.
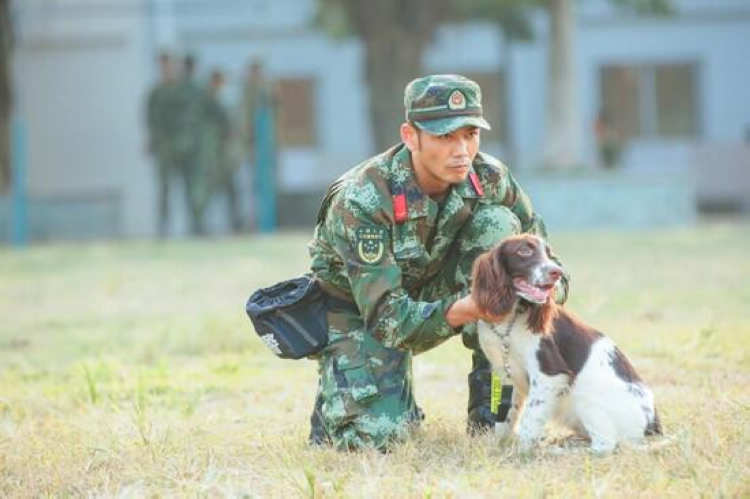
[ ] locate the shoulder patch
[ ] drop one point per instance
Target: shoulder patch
(370, 243)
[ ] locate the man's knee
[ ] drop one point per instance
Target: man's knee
(371, 431)
(374, 423)
(356, 410)
(490, 224)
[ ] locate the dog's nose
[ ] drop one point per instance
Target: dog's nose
(554, 273)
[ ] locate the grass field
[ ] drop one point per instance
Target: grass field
(130, 370)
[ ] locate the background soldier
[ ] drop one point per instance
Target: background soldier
(160, 114)
(186, 139)
(397, 236)
(256, 92)
(218, 156)
(259, 139)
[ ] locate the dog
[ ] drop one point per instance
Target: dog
(561, 368)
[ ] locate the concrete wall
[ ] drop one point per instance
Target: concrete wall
(715, 35)
(80, 77)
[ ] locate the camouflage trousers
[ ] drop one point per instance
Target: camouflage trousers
(165, 168)
(197, 183)
(365, 397)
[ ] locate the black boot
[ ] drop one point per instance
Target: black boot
(318, 433)
(480, 418)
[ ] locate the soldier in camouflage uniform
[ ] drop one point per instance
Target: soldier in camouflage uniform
(256, 92)
(160, 112)
(190, 111)
(397, 236)
(258, 138)
(218, 154)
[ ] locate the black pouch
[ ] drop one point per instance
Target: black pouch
(290, 317)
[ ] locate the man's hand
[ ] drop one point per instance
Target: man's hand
(465, 310)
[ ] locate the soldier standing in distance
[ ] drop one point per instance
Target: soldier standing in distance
(191, 99)
(256, 92)
(217, 157)
(160, 109)
(258, 109)
(397, 236)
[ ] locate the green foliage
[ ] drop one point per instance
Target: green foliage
(338, 17)
(511, 15)
(333, 18)
(646, 7)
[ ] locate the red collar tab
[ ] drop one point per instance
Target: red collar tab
(399, 208)
(476, 183)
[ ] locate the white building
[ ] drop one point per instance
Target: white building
(676, 87)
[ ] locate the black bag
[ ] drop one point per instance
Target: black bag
(290, 317)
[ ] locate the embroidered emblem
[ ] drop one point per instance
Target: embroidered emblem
(457, 100)
(370, 244)
(271, 343)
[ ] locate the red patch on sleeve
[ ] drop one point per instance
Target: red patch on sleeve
(399, 208)
(476, 183)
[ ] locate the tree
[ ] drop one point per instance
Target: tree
(6, 42)
(394, 34)
(563, 123)
(562, 138)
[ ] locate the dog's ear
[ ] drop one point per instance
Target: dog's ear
(541, 316)
(492, 288)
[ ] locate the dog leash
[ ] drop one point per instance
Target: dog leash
(504, 393)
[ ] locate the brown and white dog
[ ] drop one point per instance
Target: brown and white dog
(561, 368)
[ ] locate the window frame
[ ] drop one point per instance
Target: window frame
(648, 119)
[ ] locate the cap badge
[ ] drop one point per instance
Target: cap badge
(456, 100)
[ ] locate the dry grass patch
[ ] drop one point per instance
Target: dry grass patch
(131, 370)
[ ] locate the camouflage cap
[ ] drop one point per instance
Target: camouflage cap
(440, 104)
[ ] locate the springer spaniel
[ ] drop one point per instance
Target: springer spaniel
(561, 368)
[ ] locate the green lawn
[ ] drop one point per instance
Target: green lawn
(130, 369)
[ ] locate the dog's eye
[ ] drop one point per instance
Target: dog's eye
(525, 252)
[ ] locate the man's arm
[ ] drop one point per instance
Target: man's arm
(465, 310)
(364, 245)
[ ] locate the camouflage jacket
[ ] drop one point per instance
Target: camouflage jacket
(188, 115)
(160, 109)
(357, 222)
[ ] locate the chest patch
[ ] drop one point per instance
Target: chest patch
(371, 244)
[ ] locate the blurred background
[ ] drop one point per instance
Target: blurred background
(146, 118)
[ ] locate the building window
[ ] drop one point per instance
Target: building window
(296, 112)
(494, 104)
(651, 100)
